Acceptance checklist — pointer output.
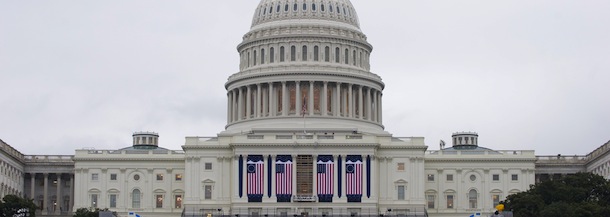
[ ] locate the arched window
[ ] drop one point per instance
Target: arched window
(282, 54)
(295, 7)
(338, 11)
(135, 198)
(361, 59)
(262, 56)
(254, 58)
(286, 7)
(327, 54)
(271, 55)
(313, 7)
(270, 9)
(315, 53)
(331, 8)
(304, 53)
(354, 57)
(346, 56)
(248, 59)
(322, 7)
(304, 6)
(278, 9)
(293, 53)
(264, 11)
(337, 55)
(473, 199)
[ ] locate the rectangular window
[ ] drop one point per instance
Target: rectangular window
(159, 200)
(113, 177)
(495, 177)
(208, 166)
(496, 199)
(431, 177)
(449, 201)
(430, 201)
(208, 192)
(178, 201)
(515, 177)
(159, 177)
(450, 177)
(94, 200)
(401, 166)
(178, 177)
(401, 192)
(95, 176)
(113, 201)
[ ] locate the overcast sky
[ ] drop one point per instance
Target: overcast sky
(523, 74)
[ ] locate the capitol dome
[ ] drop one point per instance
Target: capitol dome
(304, 64)
(331, 12)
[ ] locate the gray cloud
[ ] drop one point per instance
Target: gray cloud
(525, 75)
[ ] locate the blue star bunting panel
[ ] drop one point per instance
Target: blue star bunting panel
(255, 179)
(353, 178)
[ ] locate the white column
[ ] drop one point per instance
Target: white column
(380, 106)
(364, 181)
(240, 104)
(229, 107)
(33, 186)
(272, 99)
(234, 105)
(258, 109)
(58, 194)
(298, 99)
(284, 99)
(311, 96)
(360, 103)
(324, 100)
(294, 175)
(350, 96)
(265, 102)
(248, 102)
(375, 112)
(45, 200)
(315, 176)
(71, 203)
(344, 103)
(337, 100)
(368, 104)
(336, 179)
(343, 187)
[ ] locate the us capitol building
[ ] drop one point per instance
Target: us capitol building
(304, 137)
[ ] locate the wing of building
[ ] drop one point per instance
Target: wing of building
(304, 136)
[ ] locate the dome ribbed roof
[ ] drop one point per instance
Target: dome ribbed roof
(310, 11)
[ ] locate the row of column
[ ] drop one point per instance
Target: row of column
(287, 98)
(47, 207)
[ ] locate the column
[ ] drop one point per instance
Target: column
(315, 177)
(360, 103)
(273, 184)
(229, 104)
(272, 107)
(298, 99)
(71, 193)
(33, 186)
(45, 200)
(311, 96)
(364, 181)
(337, 100)
(350, 96)
(240, 105)
(344, 103)
(368, 104)
(375, 112)
(234, 105)
(324, 100)
(58, 194)
(284, 99)
(380, 112)
(335, 181)
(258, 109)
(294, 176)
(265, 103)
(248, 102)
